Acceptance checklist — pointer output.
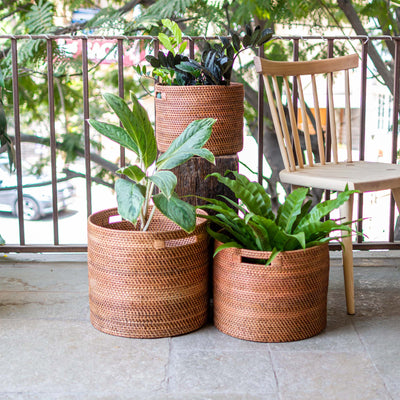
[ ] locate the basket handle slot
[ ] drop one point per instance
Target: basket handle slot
(237, 258)
(160, 95)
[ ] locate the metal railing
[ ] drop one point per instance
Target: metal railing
(120, 42)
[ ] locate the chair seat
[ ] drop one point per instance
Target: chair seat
(364, 176)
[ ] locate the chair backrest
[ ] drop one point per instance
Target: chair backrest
(273, 69)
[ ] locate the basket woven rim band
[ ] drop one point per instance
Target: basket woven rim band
(265, 254)
(236, 85)
(177, 233)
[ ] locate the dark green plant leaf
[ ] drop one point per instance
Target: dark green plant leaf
(236, 42)
(166, 181)
(130, 198)
(246, 41)
(115, 133)
(178, 211)
(227, 245)
(189, 68)
(323, 209)
(256, 35)
(187, 144)
(216, 235)
(289, 211)
(133, 172)
(153, 61)
(2, 241)
(266, 35)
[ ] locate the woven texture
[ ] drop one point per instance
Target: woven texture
(147, 284)
(285, 301)
(178, 106)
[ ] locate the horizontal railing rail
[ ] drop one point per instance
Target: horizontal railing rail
(120, 42)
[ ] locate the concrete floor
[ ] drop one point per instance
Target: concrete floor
(50, 351)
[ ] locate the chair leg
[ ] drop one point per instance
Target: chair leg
(346, 212)
(396, 196)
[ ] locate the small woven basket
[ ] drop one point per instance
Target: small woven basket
(284, 301)
(178, 106)
(147, 284)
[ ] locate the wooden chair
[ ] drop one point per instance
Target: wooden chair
(305, 171)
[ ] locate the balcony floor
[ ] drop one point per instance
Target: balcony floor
(50, 351)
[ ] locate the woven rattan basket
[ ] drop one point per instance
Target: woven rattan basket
(285, 301)
(178, 106)
(147, 284)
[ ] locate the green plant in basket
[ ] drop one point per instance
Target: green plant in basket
(216, 62)
(135, 194)
(296, 225)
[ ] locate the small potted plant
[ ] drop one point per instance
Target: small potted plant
(190, 89)
(148, 270)
(270, 271)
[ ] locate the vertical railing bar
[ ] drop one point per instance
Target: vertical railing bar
(53, 156)
(328, 129)
(260, 133)
(295, 94)
(121, 92)
(85, 82)
(363, 108)
(191, 49)
(395, 124)
(17, 129)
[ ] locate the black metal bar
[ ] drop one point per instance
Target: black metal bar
(53, 156)
(191, 48)
(363, 107)
(395, 124)
(17, 130)
(260, 134)
(85, 79)
(121, 91)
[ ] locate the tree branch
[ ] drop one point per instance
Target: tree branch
(347, 7)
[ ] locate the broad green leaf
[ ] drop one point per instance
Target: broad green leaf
(291, 209)
(166, 181)
(182, 47)
(136, 125)
(206, 154)
(115, 133)
(174, 28)
(315, 231)
(166, 42)
(227, 245)
(2, 241)
(130, 198)
(133, 172)
(189, 68)
(178, 211)
(150, 153)
(274, 253)
(187, 144)
(1, 80)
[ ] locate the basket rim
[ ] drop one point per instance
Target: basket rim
(198, 87)
(266, 254)
(199, 223)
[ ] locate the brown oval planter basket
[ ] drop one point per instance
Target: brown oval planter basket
(285, 301)
(178, 106)
(147, 284)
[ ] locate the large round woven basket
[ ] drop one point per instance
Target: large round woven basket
(178, 106)
(147, 284)
(284, 301)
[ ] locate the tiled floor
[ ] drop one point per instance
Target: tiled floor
(49, 350)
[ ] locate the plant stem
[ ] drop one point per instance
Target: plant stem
(150, 218)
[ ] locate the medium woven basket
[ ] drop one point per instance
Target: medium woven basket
(282, 302)
(178, 106)
(147, 284)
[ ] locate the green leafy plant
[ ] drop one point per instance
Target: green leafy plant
(2, 241)
(134, 194)
(256, 227)
(215, 66)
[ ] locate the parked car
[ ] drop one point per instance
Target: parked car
(37, 192)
